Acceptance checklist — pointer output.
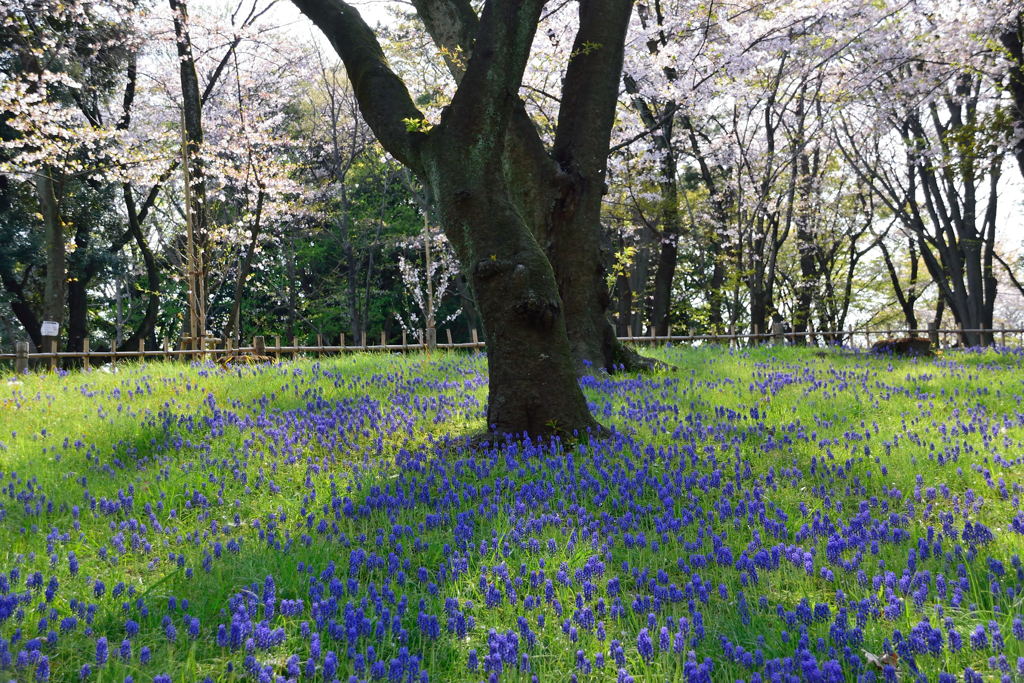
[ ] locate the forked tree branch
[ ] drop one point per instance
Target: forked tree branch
(383, 98)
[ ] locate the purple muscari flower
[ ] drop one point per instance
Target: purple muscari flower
(145, 655)
(1018, 628)
(979, 640)
(472, 662)
(997, 636)
(85, 672)
(330, 665)
(644, 645)
(292, 667)
(125, 651)
(102, 651)
(193, 627)
(43, 669)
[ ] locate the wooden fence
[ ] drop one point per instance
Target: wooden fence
(214, 348)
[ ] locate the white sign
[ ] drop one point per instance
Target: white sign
(50, 328)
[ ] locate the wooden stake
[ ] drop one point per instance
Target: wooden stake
(85, 353)
(21, 358)
(53, 355)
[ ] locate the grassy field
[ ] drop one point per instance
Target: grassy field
(777, 514)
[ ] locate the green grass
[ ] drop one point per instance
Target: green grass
(248, 454)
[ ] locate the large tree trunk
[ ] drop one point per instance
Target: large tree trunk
(533, 384)
(56, 260)
(577, 250)
(571, 179)
(82, 267)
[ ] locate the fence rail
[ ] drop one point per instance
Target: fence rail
(212, 347)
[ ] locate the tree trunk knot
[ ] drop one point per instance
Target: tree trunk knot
(489, 267)
(537, 311)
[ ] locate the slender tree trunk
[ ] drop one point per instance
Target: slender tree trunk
(469, 309)
(807, 247)
(192, 118)
(293, 298)
(147, 325)
(244, 266)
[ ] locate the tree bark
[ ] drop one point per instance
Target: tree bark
(56, 260)
(533, 386)
(192, 119)
(559, 193)
(1013, 41)
(591, 85)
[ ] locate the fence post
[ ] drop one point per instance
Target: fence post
(383, 339)
(295, 348)
(277, 348)
(319, 344)
(629, 332)
(85, 353)
(474, 337)
(53, 355)
(692, 334)
(142, 350)
(259, 346)
(753, 337)
(21, 357)
(732, 341)
(1003, 336)
(166, 348)
(933, 333)
(341, 342)
(363, 335)
(448, 331)
(777, 337)
(404, 344)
